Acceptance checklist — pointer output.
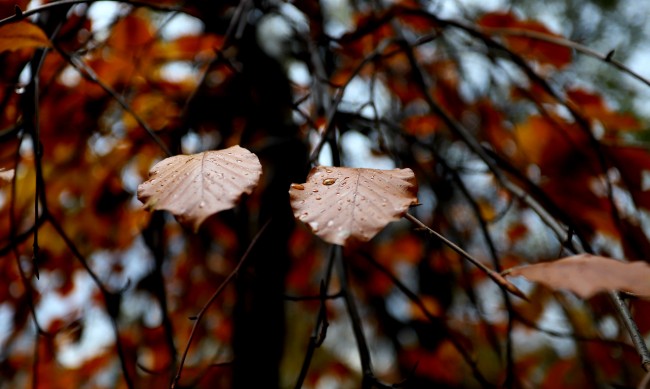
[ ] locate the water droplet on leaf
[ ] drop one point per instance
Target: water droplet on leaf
(297, 186)
(329, 181)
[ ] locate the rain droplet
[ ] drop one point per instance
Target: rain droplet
(20, 89)
(329, 181)
(297, 187)
(330, 223)
(202, 204)
(239, 161)
(315, 190)
(328, 170)
(318, 197)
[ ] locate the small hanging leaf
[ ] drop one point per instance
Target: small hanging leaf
(341, 205)
(20, 35)
(586, 275)
(194, 187)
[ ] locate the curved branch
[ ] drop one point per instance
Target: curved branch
(214, 296)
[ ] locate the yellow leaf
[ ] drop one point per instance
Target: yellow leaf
(21, 35)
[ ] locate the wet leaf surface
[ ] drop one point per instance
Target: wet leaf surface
(194, 187)
(342, 205)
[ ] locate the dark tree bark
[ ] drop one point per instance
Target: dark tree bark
(270, 133)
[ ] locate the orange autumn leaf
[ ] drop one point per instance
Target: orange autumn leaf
(516, 232)
(421, 125)
(22, 35)
(514, 33)
(593, 106)
(130, 32)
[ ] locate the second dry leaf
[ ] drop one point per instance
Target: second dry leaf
(342, 205)
(586, 275)
(194, 187)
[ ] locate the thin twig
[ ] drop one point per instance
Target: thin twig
(333, 109)
(111, 298)
(86, 72)
(320, 329)
(635, 334)
(510, 363)
(496, 277)
(320, 297)
(369, 380)
(20, 15)
(560, 41)
(415, 299)
(214, 296)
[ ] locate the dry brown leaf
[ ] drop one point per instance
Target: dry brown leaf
(586, 275)
(341, 204)
(193, 187)
(15, 36)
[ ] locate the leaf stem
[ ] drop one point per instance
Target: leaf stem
(369, 380)
(320, 329)
(632, 328)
